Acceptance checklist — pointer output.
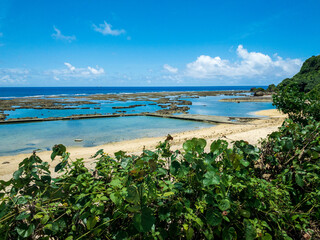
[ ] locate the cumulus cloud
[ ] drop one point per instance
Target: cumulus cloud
(96, 71)
(170, 69)
(106, 29)
(59, 36)
(250, 64)
(72, 72)
(13, 75)
(71, 68)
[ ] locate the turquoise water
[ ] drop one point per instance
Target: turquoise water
(26, 137)
(105, 108)
(211, 106)
(203, 105)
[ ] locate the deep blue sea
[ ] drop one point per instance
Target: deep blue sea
(11, 92)
(26, 137)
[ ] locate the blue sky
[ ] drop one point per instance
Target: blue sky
(155, 43)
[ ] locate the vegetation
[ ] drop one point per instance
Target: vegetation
(308, 78)
(237, 192)
(270, 89)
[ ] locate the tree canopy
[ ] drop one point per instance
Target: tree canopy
(308, 77)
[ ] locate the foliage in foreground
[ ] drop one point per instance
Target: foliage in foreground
(226, 193)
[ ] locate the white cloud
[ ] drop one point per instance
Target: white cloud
(250, 64)
(71, 68)
(106, 29)
(17, 76)
(59, 36)
(173, 78)
(96, 71)
(13, 75)
(6, 79)
(74, 72)
(170, 69)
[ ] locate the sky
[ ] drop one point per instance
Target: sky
(155, 43)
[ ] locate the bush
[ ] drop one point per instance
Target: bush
(298, 105)
(198, 195)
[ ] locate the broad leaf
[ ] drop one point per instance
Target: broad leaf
(143, 221)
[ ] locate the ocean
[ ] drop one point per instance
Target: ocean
(26, 137)
(12, 92)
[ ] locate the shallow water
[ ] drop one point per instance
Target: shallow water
(26, 137)
(203, 105)
(105, 108)
(211, 106)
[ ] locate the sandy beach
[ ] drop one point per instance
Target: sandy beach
(252, 132)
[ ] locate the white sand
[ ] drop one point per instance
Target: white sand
(251, 132)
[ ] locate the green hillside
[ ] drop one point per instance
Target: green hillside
(308, 77)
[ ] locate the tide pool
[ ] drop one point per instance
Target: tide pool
(26, 137)
(211, 106)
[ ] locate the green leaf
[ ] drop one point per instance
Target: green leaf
(202, 143)
(119, 154)
(288, 145)
(245, 213)
(22, 216)
(22, 200)
(17, 174)
(315, 155)
(58, 150)
(199, 144)
(143, 222)
(229, 233)
(104, 198)
(132, 194)
(250, 231)
(244, 163)
(266, 236)
(174, 168)
(45, 219)
(224, 204)
(211, 178)
(188, 145)
(214, 218)
(189, 233)
(24, 230)
(60, 166)
(218, 146)
(91, 222)
(167, 194)
(38, 215)
(299, 180)
(114, 198)
(121, 235)
(116, 183)
(134, 209)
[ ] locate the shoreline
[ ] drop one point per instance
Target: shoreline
(251, 132)
(169, 103)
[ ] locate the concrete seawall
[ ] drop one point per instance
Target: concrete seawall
(190, 117)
